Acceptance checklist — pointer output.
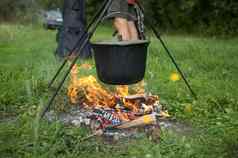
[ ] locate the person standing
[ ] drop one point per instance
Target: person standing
(124, 17)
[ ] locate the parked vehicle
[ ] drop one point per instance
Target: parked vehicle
(52, 19)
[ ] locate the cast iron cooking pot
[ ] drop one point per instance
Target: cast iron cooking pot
(121, 62)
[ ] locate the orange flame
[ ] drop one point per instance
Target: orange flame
(88, 91)
(140, 87)
(93, 92)
(122, 91)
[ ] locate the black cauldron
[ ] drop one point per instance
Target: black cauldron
(120, 62)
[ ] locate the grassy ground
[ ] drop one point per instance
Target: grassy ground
(27, 63)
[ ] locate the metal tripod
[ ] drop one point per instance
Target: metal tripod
(90, 30)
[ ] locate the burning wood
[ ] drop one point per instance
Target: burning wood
(141, 121)
(119, 110)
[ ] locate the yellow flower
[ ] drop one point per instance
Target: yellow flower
(188, 108)
(174, 77)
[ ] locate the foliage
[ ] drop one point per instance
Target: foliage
(209, 17)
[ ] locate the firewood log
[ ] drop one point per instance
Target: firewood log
(141, 121)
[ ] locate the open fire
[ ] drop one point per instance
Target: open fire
(120, 108)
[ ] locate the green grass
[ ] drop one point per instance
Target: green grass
(27, 64)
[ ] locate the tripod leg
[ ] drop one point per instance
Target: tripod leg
(169, 54)
(78, 43)
(175, 64)
(89, 36)
(57, 73)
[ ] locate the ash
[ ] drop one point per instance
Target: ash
(111, 125)
(80, 117)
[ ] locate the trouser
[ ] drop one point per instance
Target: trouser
(74, 21)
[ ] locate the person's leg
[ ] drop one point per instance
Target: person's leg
(133, 30)
(122, 27)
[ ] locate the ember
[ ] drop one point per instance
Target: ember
(118, 109)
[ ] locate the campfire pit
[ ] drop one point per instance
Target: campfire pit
(109, 113)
